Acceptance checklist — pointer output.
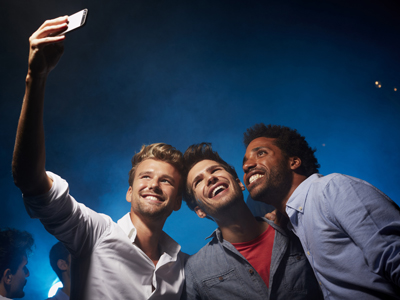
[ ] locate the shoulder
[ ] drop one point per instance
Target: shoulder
(207, 253)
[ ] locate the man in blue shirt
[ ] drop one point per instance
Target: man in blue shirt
(247, 258)
(350, 231)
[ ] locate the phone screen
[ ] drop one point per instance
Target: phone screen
(75, 21)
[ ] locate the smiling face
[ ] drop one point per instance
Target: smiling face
(213, 187)
(18, 280)
(267, 172)
(154, 192)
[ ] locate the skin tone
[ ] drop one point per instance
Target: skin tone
(153, 197)
(30, 156)
(29, 153)
(269, 176)
(219, 195)
(12, 285)
(66, 274)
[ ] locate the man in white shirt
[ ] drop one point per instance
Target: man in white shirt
(15, 246)
(131, 259)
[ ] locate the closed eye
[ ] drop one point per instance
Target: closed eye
(196, 183)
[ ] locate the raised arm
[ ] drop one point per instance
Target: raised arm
(28, 165)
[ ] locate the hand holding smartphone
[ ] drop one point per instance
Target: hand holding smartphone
(75, 21)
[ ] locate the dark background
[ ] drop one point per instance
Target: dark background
(184, 72)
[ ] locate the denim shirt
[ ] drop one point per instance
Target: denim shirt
(219, 271)
(350, 231)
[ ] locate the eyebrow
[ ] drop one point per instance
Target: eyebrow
(255, 150)
(163, 176)
(209, 169)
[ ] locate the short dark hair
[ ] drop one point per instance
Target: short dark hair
(162, 152)
(58, 251)
(289, 141)
(194, 154)
(14, 245)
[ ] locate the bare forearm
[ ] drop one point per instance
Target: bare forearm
(29, 153)
(28, 166)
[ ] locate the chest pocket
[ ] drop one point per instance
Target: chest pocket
(220, 285)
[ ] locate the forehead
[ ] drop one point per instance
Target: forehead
(23, 262)
(261, 142)
(201, 167)
(158, 167)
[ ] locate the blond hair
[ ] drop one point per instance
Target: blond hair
(162, 152)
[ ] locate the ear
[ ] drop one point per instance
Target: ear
(294, 162)
(178, 203)
(240, 184)
(7, 276)
(200, 212)
(62, 265)
(129, 194)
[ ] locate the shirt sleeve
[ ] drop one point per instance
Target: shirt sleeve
(77, 226)
(370, 219)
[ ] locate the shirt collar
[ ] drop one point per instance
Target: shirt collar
(298, 199)
(218, 234)
(167, 244)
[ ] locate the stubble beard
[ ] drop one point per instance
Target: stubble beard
(151, 211)
(275, 185)
(225, 204)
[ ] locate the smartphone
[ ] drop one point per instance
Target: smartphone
(75, 21)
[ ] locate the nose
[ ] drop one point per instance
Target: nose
(154, 185)
(248, 165)
(211, 179)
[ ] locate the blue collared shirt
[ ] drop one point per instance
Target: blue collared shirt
(219, 271)
(350, 232)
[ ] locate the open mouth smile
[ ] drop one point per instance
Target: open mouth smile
(217, 190)
(255, 177)
(153, 198)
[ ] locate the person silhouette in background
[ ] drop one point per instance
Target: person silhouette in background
(60, 261)
(15, 247)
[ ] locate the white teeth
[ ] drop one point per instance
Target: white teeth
(254, 177)
(151, 198)
(221, 187)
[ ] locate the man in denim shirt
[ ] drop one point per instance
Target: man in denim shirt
(349, 229)
(247, 258)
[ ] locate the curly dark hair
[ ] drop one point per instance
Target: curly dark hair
(289, 141)
(14, 245)
(194, 154)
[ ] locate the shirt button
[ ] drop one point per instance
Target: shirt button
(308, 252)
(300, 208)
(320, 283)
(221, 278)
(251, 271)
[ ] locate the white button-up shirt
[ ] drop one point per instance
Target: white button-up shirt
(106, 263)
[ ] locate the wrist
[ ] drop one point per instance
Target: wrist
(35, 77)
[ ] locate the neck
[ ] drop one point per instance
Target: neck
(66, 283)
(3, 291)
(280, 202)
(148, 234)
(238, 225)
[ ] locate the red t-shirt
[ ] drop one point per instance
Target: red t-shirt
(258, 252)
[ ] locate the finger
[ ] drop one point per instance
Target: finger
(55, 21)
(49, 30)
(39, 43)
(271, 216)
